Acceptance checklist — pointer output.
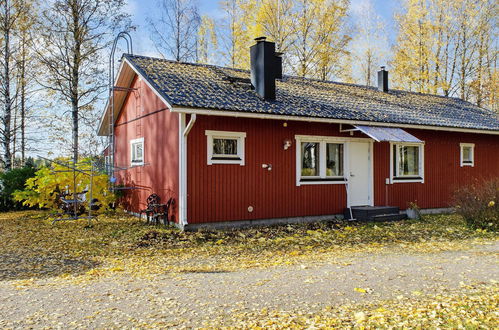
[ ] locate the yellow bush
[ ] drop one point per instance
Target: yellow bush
(43, 189)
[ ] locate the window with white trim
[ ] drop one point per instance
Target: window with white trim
(467, 154)
(225, 147)
(407, 162)
(320, 160)
(137, 152)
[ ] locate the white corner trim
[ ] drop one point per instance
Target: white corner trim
(393, 178)
(136, 141)
(461, 154)
(240, 136)
(371, 172)
(183, 132)
(182, 169)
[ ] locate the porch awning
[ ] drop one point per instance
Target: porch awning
(391, 134)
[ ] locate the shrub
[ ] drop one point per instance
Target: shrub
(11, 181)
(479, 204)
(44, 188)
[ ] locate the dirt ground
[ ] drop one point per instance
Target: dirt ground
(200, 298)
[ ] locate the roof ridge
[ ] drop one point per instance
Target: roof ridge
(184, 63)
(413, 101)
(290, 76)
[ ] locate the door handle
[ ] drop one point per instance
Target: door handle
(351, 174)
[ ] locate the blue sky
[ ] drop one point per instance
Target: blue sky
(141, 9)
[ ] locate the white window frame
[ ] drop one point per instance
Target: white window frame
(461, 148)
(394, 178)
(240, 136)
(132, 143)
(323, 141)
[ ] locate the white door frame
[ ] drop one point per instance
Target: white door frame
(370, 188)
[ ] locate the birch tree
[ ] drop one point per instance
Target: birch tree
(331, 39)
(319, 38)
(235, 38)
(11, 12)
(449, 48)
(74, 35)
(275, 18)
(370, 42)
(411, 58)
(26, 70)
(174, 32)
(207, 40)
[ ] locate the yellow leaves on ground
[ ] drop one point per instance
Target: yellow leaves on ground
(472, 308)
(361, 290)
(33, 248)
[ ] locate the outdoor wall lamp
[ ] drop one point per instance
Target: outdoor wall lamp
(287, 144)
(268, 167)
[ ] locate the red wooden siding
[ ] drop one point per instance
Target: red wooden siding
(443, 173)
(160, 132)
(223, 192)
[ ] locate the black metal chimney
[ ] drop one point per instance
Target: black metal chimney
(266, 67)
(383, 80)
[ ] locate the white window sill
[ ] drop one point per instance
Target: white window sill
(408, 180)
(226, 161)
(321, 181)
(136, 164)
(469, 165)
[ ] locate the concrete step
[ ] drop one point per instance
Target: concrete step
(389, 217)
(368, 213)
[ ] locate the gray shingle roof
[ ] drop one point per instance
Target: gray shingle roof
(212, 87)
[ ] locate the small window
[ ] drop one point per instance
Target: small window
(225, 147)
(137, 152)
(467, 154)
(319, 160)
(407, 163)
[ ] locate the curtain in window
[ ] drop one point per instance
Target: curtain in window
(334, 159)
(409, 161)
(138, 151)
(467, 154)
(310, 159)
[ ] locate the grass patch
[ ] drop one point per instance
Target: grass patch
(34, 248)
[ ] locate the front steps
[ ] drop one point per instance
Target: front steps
(374, 213)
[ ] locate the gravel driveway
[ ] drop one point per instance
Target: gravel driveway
(191, 299)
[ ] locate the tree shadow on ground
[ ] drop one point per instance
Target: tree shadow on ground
(19, 266)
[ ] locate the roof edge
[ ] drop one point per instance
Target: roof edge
(141, 74)
(226, 113)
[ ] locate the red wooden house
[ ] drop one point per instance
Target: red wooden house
(238, 147)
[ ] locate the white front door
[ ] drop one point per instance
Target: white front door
(360, 174)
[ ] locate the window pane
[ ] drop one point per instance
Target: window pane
(310, 159)
(467, 154)
(225, 146)
(334, 159)
(137, 152)
(409, 160)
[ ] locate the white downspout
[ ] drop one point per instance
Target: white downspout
(183, 133)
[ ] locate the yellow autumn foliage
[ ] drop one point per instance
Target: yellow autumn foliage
(43, 189)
